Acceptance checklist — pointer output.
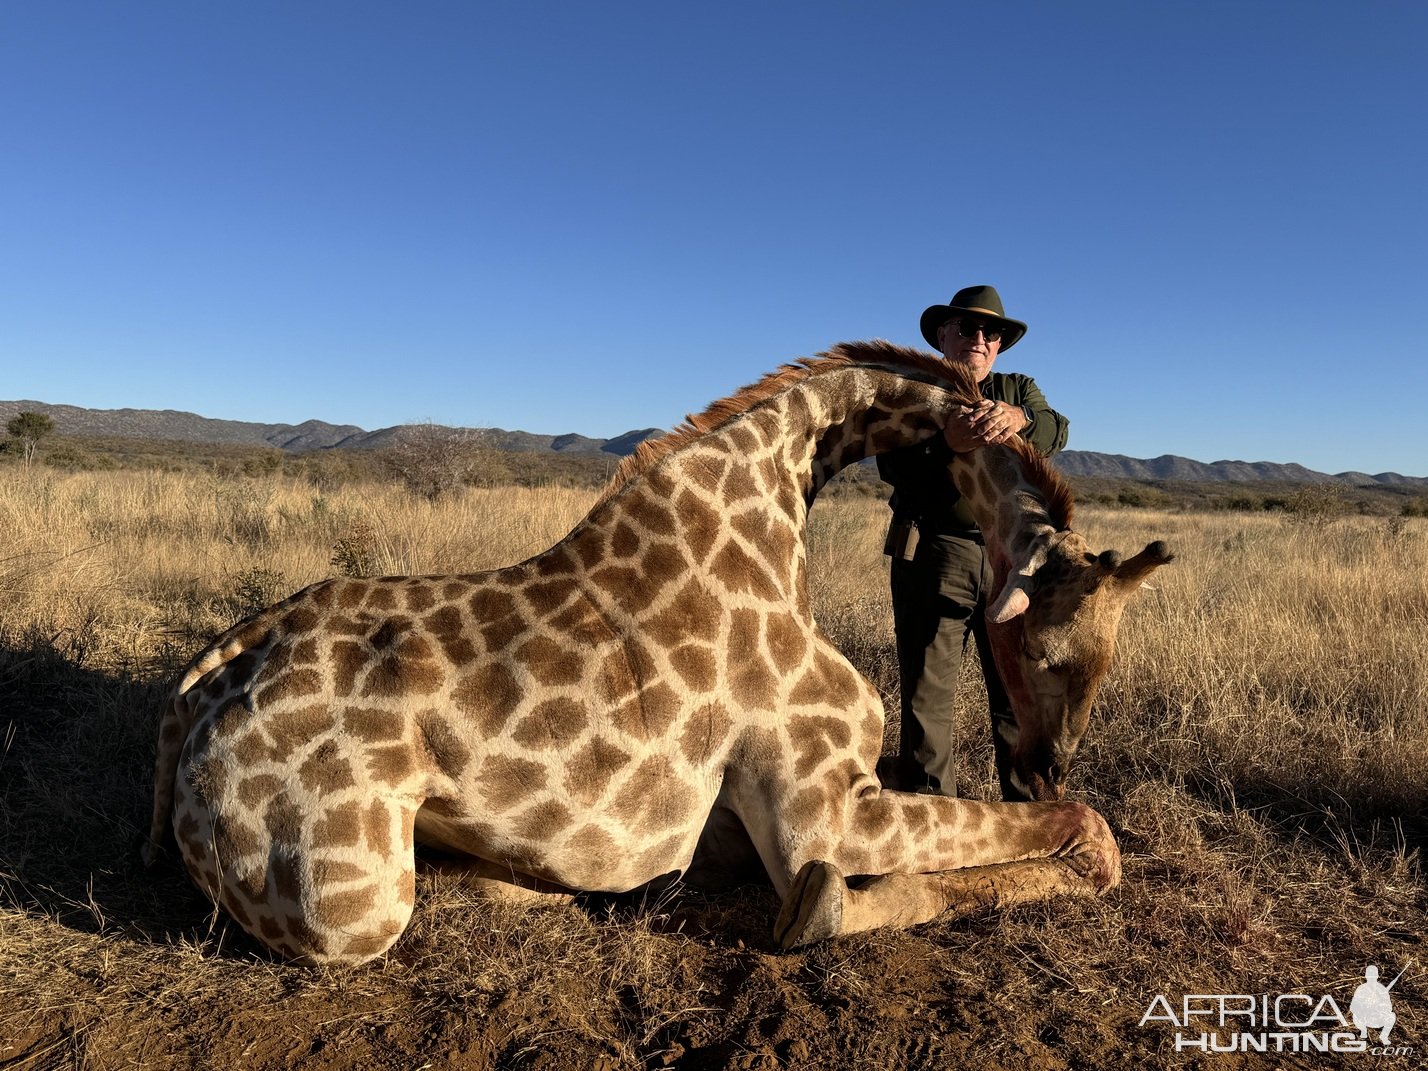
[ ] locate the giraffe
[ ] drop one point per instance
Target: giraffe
(570, 723)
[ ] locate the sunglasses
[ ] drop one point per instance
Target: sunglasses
(968, 327)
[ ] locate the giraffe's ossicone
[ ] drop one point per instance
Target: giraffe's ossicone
(573, 721)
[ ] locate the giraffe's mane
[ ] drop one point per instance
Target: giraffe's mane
(697, 425)
(877, 353)
(1044, 476)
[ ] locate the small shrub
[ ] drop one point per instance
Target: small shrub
(243, 510)
(68, 457)
(264, 465)
(255, 588)
(1316, 506)
(1393, 531)
(356, 553)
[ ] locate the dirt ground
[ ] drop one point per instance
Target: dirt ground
(692, 984)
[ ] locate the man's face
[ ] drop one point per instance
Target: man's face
(977, 353)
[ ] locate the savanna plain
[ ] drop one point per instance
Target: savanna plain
(1259, 749)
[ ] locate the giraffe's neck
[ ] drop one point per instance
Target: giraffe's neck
(740, 492)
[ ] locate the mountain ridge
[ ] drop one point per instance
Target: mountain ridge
(311, 435)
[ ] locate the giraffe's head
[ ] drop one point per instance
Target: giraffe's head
(1053, 644)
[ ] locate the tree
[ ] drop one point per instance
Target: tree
(432, 461)
(28, 429)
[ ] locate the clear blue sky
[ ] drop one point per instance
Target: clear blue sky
(596, 217)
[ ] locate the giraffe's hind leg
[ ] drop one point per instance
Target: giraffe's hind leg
(490, 881)
(335, 887)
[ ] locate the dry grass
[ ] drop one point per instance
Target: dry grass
(1259, 750)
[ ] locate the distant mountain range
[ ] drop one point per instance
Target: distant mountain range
(319, 435)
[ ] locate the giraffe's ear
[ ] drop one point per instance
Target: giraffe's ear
(1132, 572)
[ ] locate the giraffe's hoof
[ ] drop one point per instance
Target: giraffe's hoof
(813, 909)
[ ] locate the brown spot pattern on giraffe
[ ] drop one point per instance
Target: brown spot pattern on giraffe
(828, 683)
(348, 658)
(549, 662)
(626, 586)
(766, 425)
(590, 770)
(745, 649)
(346, 908)
(706, 733)
(810, 756)
(706, 473)
(696, 666)
(547, 597)
(398, 675)
(558, 561)
(739, 573)
(664, 563)
(623, 541)
(505, 781)
(738, 484)
(340, 826)
(295, 685)
(742, 440)
(653, 797)
(589, 547)
(443, 744)
(652, 515)
(649, 714)
(581, 626)
(702, 525)
(592, 842)
(377, 828)
(498, 633)
(541, 822)
(552, 724)
(391, 763)
(283, 820)
(694, 612)
(786, 640)
(448, 628)
(489, 695)
(233, 839)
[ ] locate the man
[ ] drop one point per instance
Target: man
(940, 575)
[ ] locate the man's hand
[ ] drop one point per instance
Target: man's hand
(986, 425)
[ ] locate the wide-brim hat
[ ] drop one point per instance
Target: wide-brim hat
(981, 300)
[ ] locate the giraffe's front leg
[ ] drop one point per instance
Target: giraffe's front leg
(820, 903)
(931, 855)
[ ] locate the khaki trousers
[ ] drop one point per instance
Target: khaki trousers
(938, 599)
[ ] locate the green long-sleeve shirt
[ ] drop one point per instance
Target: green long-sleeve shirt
(922, 489)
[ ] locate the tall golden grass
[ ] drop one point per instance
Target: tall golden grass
(1259, 748)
